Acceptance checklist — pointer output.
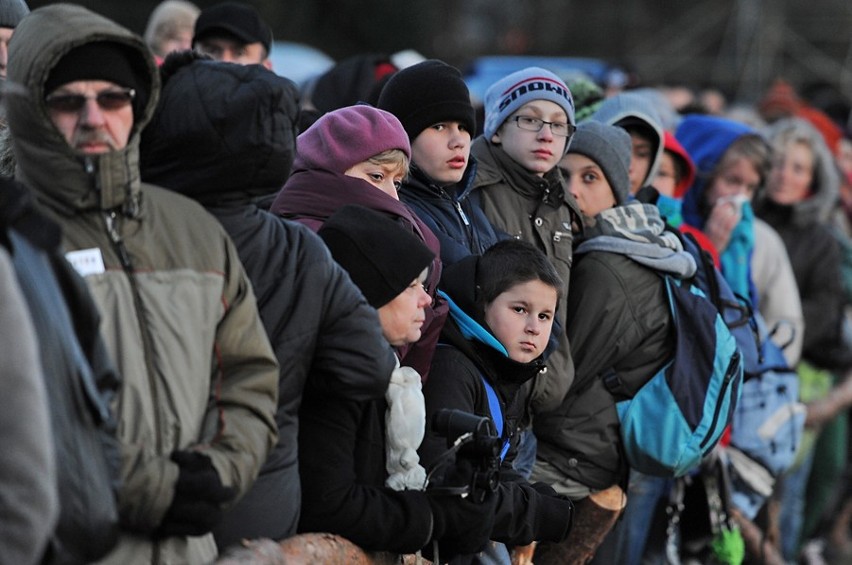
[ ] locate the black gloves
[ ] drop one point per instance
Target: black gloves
(199, 495)
(554, 516)
(461, 526)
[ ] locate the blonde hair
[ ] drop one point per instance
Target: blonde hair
(392, 157)
(168, 19)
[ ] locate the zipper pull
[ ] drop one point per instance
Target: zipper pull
(461, 213)
(109, 220)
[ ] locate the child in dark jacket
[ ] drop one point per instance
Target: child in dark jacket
(618, 317)
(502, 307)
(433, 104)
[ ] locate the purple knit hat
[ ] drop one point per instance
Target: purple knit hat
(347, 136)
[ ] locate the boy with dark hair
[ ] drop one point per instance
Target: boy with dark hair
(433, 104)
(529, 120)
(502, 307)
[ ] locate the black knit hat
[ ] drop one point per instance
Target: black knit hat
(427, 93)
(381, 257)
(234, 18)
(103, 60)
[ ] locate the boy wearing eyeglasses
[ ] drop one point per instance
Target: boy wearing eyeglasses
(529, 120)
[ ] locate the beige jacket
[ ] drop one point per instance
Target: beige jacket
(179, 315)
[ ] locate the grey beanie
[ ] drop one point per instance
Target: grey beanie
(509, 93)
(12, 12)
(609, 147)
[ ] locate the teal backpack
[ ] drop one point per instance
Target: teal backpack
(681, 411)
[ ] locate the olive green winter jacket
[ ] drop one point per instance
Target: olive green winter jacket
(179, 315)
(538, 210)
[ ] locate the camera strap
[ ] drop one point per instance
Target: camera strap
(496, 414)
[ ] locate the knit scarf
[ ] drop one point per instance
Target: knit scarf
(636, 230)
(405, 425)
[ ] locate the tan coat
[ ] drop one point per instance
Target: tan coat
(179, 315)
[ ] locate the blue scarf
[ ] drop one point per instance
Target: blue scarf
(736, 258)
(671, 209)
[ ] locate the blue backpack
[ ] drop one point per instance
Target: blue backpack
(681, 412)
(767, 427)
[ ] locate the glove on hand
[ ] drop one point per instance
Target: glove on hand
(555, 514)
(543, 489)
(461, 526)
(199, 494)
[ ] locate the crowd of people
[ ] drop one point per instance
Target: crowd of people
(239, 309)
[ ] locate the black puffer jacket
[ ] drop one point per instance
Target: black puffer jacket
(224, 134)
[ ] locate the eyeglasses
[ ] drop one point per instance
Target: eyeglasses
(106, 99)
(529, 123)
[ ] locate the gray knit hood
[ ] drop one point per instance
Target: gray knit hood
(627, 105)
(825, 188)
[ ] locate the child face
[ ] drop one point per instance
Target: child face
(791, 175)
(403, 317)
(667, 178)
(521, 319)
(587, 184)
(536, 151)
(640, 160)
(386, 178)
(442, 151)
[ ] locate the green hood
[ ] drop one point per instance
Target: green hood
(63, 179)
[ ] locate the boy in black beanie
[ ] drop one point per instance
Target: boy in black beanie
(433, 104)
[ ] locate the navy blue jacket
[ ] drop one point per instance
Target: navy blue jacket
(453, 213)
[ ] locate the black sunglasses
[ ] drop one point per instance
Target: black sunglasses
(107, 100)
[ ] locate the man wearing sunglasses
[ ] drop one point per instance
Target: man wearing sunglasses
(195, 412)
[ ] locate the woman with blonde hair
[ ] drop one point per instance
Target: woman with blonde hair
(170, 27)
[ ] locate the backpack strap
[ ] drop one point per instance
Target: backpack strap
(614, 384)
(496, 413)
